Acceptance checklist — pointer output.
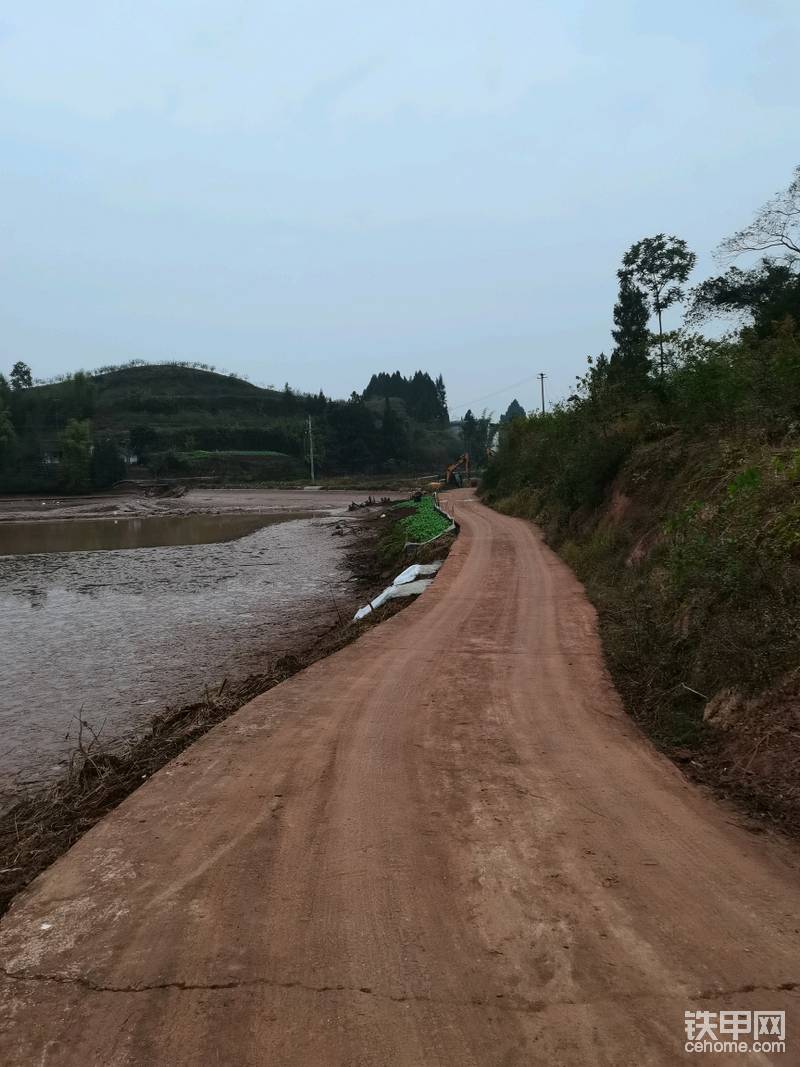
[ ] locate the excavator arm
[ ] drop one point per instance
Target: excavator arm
(462, 461)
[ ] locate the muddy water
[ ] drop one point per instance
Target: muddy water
(116, 635)
(108, 534)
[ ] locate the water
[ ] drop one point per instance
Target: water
(116, 635)
(151, 531)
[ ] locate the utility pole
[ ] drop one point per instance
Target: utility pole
(541, 380)
(311, 448)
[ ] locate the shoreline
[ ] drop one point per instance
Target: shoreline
(206, 500)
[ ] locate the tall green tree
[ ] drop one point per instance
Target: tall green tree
(425, 399)
(468, 424)
(515, 410)
(441, 398)
(76, 454)
(21, 377)
(594, 384)
(630, 362)
(659, 265)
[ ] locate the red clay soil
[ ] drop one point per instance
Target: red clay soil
(445, 844)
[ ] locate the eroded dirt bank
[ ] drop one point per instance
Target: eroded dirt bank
(692, 557)
(445, 844)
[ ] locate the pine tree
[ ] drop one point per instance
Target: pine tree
(425, 400)
(468, 424)
(441, 398)
(630, 362)
(515, 410)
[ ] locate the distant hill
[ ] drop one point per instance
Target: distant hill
(189, 420)
(169, 398)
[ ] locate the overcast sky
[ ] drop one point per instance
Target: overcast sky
(315, 191)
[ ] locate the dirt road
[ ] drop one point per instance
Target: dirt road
(444, 845)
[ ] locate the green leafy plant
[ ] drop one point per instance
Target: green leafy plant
(425, 523)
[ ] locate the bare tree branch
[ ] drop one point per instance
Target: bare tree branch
(777, 225)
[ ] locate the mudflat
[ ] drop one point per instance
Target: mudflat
(113, 607)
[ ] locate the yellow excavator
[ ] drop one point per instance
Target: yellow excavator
(456, 475)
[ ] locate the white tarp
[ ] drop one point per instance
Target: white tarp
(411, 587)
(416, 570)
(381, 598)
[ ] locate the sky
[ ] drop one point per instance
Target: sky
(312, 192)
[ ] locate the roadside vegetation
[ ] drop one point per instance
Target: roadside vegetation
(426, 521)
(415, 522)
(670, 481)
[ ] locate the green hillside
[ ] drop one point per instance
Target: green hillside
(190, 421)
(166, 398)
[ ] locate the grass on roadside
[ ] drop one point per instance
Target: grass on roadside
(425, 522)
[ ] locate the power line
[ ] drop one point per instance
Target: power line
(467, 404)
